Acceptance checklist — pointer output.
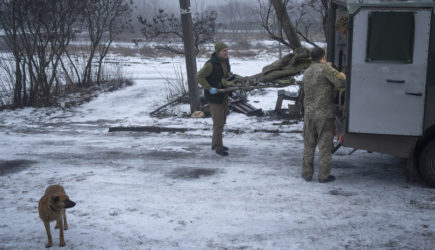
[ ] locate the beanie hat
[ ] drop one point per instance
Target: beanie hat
(219, 46)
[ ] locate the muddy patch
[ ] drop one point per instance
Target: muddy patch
(57, 143)
(427, 204)
(192, 173)
(14, 166)
(340, 192)
(170, 155)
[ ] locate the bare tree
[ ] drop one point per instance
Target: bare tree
(321, 8)
(37, 33)
(103, 19)
(286, 23)
(10, 19)
(303, 17)
(270, 23)
(166, 28)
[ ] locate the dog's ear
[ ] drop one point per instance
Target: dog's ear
(55, 199)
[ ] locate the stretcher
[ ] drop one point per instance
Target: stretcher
(275, 75)
(252, 84)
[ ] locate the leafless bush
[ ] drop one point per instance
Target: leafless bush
(165, 28)
(38, 34)
(112, 72)
(176, 87)
(73, 65)
(7, 78)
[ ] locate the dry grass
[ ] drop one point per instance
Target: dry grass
(176, 87)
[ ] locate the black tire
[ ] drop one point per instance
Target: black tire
(426, 163)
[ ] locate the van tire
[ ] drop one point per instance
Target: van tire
(426, 163)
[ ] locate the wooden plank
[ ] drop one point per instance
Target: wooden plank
(155, 129)
(239, 105)
(152, 129)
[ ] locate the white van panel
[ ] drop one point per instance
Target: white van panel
(377, 106)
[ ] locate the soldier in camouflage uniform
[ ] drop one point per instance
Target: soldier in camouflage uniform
(319, 81)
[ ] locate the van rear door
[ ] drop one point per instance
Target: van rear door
(388, 71)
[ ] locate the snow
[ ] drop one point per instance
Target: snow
(138, 190)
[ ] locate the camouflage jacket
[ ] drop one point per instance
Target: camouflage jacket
(319, 81)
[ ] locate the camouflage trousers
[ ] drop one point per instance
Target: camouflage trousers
(318, 132)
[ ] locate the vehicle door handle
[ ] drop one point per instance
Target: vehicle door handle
(414, 93)
(395, 81)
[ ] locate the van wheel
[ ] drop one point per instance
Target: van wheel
(426, 163)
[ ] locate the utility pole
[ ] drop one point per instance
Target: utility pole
(189, 53)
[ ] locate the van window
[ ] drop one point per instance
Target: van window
(390, 37)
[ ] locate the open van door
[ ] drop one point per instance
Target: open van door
(389, 67)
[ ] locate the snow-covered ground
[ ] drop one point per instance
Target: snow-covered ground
(138, 190)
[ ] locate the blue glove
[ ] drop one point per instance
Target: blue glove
(213, 91)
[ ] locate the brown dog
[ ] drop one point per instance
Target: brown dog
(52, 207)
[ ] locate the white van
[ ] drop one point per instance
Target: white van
(388, 54)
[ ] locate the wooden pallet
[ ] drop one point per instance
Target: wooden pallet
(239, 105)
